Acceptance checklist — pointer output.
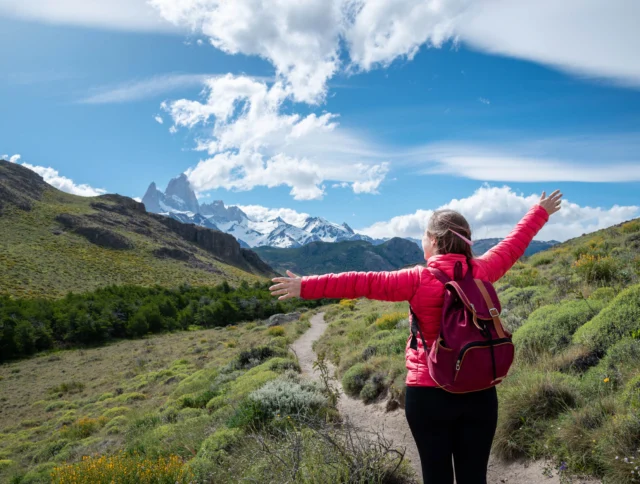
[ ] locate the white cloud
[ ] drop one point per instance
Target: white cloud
(158, 119)
(134, 15)
(493, 212)
(143, 88)
(258, 213)
(254, 142)
(484, 100)
(301, 39)
(577, 159)
(53, 178)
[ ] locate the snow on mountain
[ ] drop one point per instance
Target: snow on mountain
(180, 202)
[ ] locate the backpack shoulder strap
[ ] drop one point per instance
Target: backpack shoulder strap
(438, 274)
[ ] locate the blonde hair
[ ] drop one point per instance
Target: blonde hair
(440, 227)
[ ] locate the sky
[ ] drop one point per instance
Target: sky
(370, 112)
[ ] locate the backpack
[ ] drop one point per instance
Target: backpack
(473, 351)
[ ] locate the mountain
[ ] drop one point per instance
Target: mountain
(483, 245)
(179, 201)
(357, 255)
(53, 242)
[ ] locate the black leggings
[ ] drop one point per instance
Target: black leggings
(447, 425)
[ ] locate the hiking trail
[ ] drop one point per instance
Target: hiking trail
(393, 425)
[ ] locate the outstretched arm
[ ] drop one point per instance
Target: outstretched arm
(383, 286)
(503, 256)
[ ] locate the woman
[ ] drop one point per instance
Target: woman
(446, 426)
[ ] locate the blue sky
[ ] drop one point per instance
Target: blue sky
(409, 124)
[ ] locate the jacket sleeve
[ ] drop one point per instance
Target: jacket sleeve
(383, 286)
(503, 256)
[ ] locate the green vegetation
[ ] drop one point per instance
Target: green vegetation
(183, 407)
(28, 326)
(53, 242)
(356, 255)
(573, 394)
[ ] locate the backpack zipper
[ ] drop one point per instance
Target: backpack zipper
(468, 346)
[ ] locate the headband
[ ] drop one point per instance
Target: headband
(470, 242)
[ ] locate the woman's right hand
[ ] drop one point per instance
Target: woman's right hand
(552, 203)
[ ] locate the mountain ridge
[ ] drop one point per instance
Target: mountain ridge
(54, 242)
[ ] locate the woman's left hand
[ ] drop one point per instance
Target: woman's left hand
(287, 287)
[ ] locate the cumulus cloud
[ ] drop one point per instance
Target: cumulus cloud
(159, 119)
(53, 178)
(254, 141)
(493, 211)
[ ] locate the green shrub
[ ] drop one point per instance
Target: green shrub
(631, 227)
(522, 275)
(390, 320)
(604, 294)
(276, 331)
(541, 259)
(372, 389)
(68, 387)
(116, 412)
(621, 318)
(287, 397)
(618, 448)
(550, 328)
(196, 400)
(595, 268)
(5, 463)
(528, 404)
(355, 378)
(83, 428)
(620, 363)
(631, 395)
(219, 442)
(283, 364)
(371, 318)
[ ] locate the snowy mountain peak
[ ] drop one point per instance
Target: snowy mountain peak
(179, 201)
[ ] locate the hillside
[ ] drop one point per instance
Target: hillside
(573, 394)
(327, 257)
(53, 242)
(481, 246)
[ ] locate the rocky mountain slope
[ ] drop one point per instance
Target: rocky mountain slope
(325, 257)
(53, 242)
(179, 202)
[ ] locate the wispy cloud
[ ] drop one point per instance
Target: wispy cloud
(484, 100)
(136, 90)
(593, 159)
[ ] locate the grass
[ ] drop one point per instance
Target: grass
(158, 411)
(34, 262)
(59, 407)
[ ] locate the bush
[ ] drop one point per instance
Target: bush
(83, 428)
(528, 403)
(621, 318)
(604, 294)
(285, 397)
(355, 378)
(283, 364)
(372, 389)
(389, 321)
(276, 331)
(220, 442)
(631, 395)
(522, 275)
(595, 268)
(550, 328)
(631, 227)
(348, 304)
(612, 372)
(123, 469)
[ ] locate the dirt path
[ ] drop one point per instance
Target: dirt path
(394, 425)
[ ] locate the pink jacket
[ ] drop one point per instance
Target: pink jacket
(425, 293)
